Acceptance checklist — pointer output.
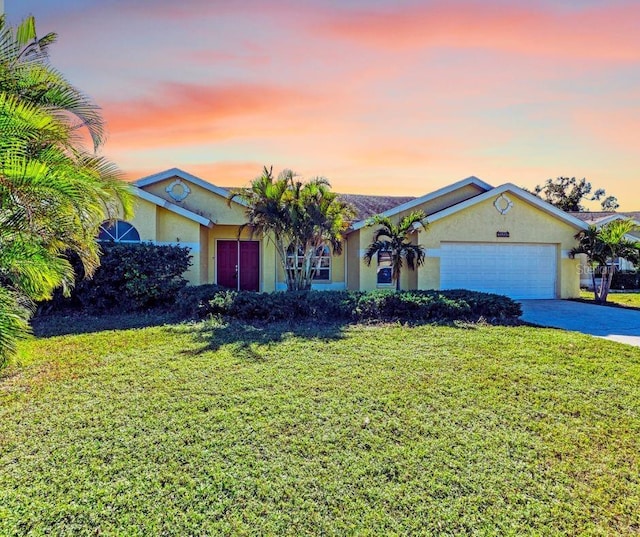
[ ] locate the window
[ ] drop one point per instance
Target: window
(322, 262)
(384, 267)
(118, 231)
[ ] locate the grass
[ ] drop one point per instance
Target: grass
(204, 429)
(627, 300)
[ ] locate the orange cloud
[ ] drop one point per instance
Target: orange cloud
(181, 113)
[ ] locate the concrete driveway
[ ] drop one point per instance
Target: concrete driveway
(617, 324)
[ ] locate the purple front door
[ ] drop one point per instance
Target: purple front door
(245, 266)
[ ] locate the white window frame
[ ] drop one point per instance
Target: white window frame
(106, 227)
(323, 259)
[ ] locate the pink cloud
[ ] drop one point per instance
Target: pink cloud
(608, 32)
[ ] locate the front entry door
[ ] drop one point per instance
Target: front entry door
(245, 267)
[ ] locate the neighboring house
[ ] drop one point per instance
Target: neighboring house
(598, 219)
(495, 239)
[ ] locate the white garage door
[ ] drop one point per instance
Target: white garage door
(515, 270)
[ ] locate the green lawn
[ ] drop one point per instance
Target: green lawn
(629, 300)
(205, 429)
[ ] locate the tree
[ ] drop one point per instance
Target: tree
(54, 194)
(569, 193)
(393, 238)
(602, 247)
(300, 218)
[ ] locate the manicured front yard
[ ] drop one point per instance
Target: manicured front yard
(629, 300)
(375, 430)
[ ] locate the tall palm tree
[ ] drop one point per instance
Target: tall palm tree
(393, 238)
(54, 194)
(300, 218)
(602, 246)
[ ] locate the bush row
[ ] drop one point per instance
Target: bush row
(433, 306)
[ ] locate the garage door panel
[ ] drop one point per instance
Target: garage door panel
(515, 270)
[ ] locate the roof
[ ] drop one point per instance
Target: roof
(414, 202)
(602, 217)
(367, 206)
(522, 194)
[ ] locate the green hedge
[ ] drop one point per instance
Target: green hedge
(628, 279)
(131, 277)
(434, 306)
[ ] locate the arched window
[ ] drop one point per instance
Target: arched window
(118, 231)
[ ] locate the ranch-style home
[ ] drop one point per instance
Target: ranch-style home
(494, 239)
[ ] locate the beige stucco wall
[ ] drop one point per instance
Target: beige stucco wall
(353, 260)
(478, 223)
(203, 202)
(145, 219)
(525, 224)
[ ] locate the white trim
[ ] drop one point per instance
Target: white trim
(428, 197)
(517, 191)
(177, 172)
(161, 202)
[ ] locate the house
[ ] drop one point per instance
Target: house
(495, 239)
(598, 219)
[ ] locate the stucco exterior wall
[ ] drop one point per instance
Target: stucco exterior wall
(353, 261)
(525, 224)
(145, 219)
(203, 202)
(175, 229)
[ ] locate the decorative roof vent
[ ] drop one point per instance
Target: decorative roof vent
(503, 204)
(178, 190)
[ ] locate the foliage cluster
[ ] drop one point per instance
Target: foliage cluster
(131, 277)
(300, 218)
(602, 246)
(394, 239)
(628, 279)
(387, 305)
(568, 193)
(54, 193)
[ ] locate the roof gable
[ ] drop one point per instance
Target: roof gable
(177, 172)
(430, 197)
(519, 192)
(161, 202)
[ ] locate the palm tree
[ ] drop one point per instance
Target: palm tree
(53, 193)
(602, 246)
(300, 218)
(393, 238)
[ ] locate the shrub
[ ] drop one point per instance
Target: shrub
(130, 277)
(433, 306)
(628, 279)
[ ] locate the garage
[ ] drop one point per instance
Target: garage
(518, 270)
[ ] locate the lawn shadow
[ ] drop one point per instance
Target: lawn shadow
(45, 326)
(245, 337)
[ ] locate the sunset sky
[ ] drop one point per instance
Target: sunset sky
(380, 97)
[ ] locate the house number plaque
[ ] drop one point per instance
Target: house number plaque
(502, 234)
